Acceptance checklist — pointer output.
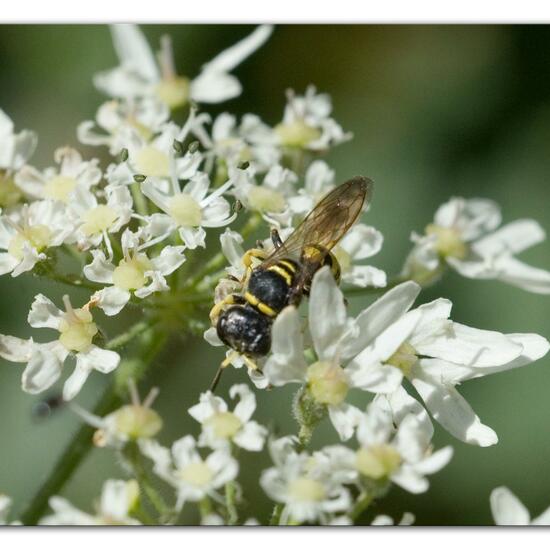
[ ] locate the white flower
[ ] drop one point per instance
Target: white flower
(402, 455)
(271, 197)
(251, 141)
(95, 220)
(118, 498)
(140, 75)
(59, 183)
(146, 116)
(304, 484)
(135, 273)
(220, 426)
(307, 123)
(189, 210)
(385, 344)
(184, 469)
(132, 422)
(464, 235)
(337, 340)
(507, 509)
(383, 520)
(15, 149)
(25, 235)
(154, 157)
(45, 361)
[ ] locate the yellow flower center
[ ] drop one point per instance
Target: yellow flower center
(448, 241)
(404, 358)
(303, 489)
(152, 162)
(185, 210)
(327, 383)
(37, 236)
(137, 421)
(197, 474)
(77, 330)
(296, 134)
(378, 461)
(10, 194)
(130, 273)
(173, 91)
(224, 424)
(264, 199)
(98, 219)
(59, 188)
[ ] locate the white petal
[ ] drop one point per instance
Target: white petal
(247, 402)
(470, 347)
(111, 299)
(507, 508)
(42, 371)
(98, 359)
(171, 257)
(133, 50)
(380, 315)
(453, 412)
(15, 349)
(74, 383)
(374, 377)
(214, 87)
(511, 238)
(344, 418)
(7, 263)
(251, 437)
(327, 314)
(211, 336)
(192, 237)
(208, 405)
(100, 270)
(362, 241)
(365, 275)
(410, 480)
(512, 271)
(286, 363)
(236, 54)
(543, 519)
(435, 462)
(44, 314)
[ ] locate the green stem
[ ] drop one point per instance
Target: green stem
(132, 454)
(69, 461)
(276, 514)
(125, 337)
(78, 448)
(205, 507)
(231, 504)
(363, 502)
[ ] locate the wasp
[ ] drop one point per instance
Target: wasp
(243, 321)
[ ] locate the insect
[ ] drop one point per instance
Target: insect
(243, 321)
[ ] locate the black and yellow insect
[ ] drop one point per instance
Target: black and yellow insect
(243, 321)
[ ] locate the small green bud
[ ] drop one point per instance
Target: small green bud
(193, 147)
(123, 156)
(139, 178)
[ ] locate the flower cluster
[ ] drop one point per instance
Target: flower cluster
(136, 235)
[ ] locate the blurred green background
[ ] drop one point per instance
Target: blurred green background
(436, 111)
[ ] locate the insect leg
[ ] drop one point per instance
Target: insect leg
(219, 307)
(276, 238)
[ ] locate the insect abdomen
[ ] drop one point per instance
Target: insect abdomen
(269, 288)
(244, 329)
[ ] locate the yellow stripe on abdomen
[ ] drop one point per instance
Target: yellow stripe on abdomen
(263, 308)
(280, 270)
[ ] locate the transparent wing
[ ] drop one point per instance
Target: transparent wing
(329, 221)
